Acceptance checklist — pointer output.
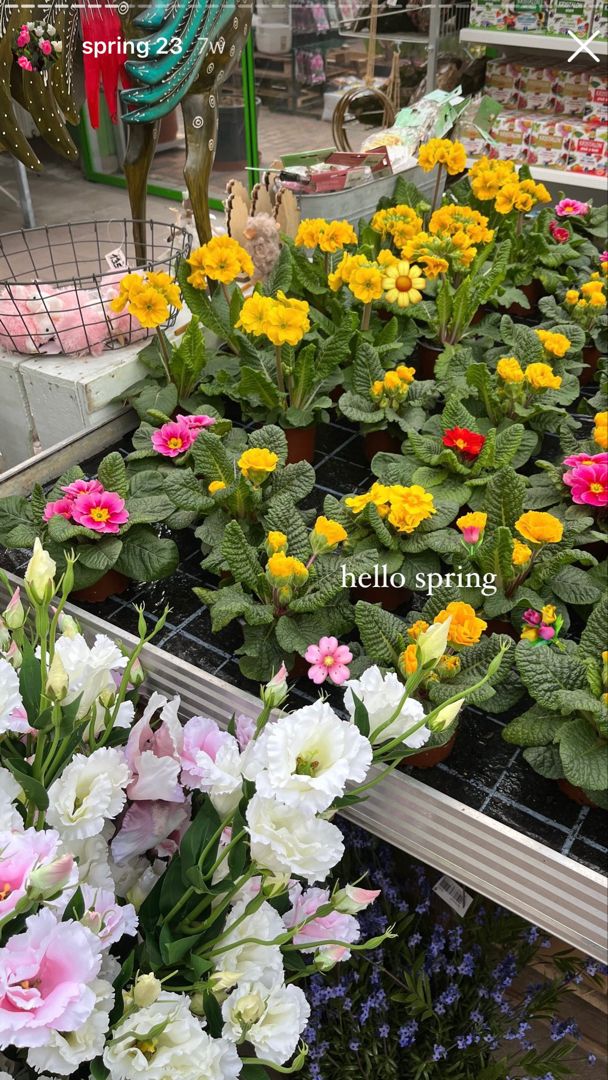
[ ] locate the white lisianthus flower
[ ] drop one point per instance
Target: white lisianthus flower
(166, 1040)
(66, 1051)
(89, 790)
(91, 855)
(306, 758)
(10, 791)
(381, 695)
(12, 713)
(287, 842)
(106, 918)
(211, 762)
(89, 668)
(254, 963)
(272, 1020)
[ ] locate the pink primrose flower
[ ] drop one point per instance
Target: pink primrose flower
(588, 484)
(173, 438)
(62, 507)
(570, 207)
(102, 511)
(328, 660)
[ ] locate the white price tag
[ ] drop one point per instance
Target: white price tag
(116, 259)
(453, 894)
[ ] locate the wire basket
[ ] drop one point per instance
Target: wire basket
(57, 281)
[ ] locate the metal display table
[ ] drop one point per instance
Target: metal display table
(483, 817)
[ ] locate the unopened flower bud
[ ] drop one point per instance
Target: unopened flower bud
(445, 716)
(14, 614)
(146, 990)
(432, 643)
(48, 880)
(5, 637)
(327, 957)
(275, 884)
(275, 691)
(13, 655)
(352, 899)
(221, 981)
(250, 1008)
(57, 682)
(107, 698)
(67, 625)
(40, 574)
(197, 1005)
(137, 675)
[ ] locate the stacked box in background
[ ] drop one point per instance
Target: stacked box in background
(600, 19)
(554, 17)
(575, 15)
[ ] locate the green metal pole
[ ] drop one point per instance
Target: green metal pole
(251, 119)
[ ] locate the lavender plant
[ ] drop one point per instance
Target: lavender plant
(443, 999)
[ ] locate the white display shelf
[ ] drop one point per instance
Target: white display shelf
(562, 178)
(514, 39)
(559, 894)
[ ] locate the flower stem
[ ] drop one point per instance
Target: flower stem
(279, 364)
(365, 316)
(436, 191)
(164, 355)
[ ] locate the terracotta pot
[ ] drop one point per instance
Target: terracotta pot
(111, 584)
(301, 443)
(426, 759)
(591, 357)
(533, 292)
(390, 597)
(502, 626)
(425, 357)
(377, 442)
(576, 794)
(336, 393)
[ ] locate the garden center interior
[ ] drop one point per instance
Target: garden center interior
(303, 521)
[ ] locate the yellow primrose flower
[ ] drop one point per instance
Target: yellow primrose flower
(434, 265)
(386, 258)
(254, 314)
(308, 232)
(377, 389)
(335, 235)
(403, 284)
(286, 323)
(165, 285)
(541, 377)
(406, 374)
(555, 344)
(509, 369)
(539, 527)
(521, 553)
(572, 296)
(366, 283)
(256, 464)
(442, 152)
(149, 307)
(549, 613)
(465, 628)
(597, 300)
(600, 430)
(276, 541)
(282, 569)
(409, 507)
(222, 259)
(416, 629)
(408, 661)
(330, 532)
(215, 486)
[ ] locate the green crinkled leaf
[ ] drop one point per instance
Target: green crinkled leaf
(242, 559)
(497, 556)
(584, 755)
(295, 633)
(575, 586)
(508, 443)
(211, 459)
(359, 409)
(261, 655)
(283, 516)
(257, 388)
(546, 672)
(367, 368)
(112, 473)
(281, 274)
(184, 491)
(381, 633)
(200, 305)
(160, 399)
(17, 530)
(536, 727)
(545, 760)
(335, 349)
(101, 555)
(295, 481)
(147, 557)
(593, 638)
(503, 500)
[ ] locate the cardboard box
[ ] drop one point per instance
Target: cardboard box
(588, 146)
(529, 16)
(548, 143)
(484, 16)
(537, 88)
(510, 133)
(600, 19)
(575, 15)
(502, 79)
(596, 104)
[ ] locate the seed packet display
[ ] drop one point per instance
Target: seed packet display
(588, 149)
(572, 93)
(510, 133)
(502, 79)
(529, 16)
(537, 89)
(549, 143)
(596, 105)
(575, 15)
(600, 19)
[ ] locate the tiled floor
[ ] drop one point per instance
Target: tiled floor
(483, 771)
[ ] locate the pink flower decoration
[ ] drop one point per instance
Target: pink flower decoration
(24, 63)
(63, 507)
(173, 438)
(102, 511)
(334, 926)
(153, 756)
(559, 234)
(82, 487)
(22, 852)
(207, 749)
(588, 484)
(586, 459)
(546, 632)
(24, 37)
(471, 534)
(153, 826)
(604, 257)
(328, 660)
(45, 47)
(245, 730)
(532, 617)
(568, 207)
(197, 422)
(45, 980)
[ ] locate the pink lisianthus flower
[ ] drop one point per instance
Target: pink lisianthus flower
(570, 207)
(211, 762)
(352, 899)
(45, 980)
(45, 47)
(197, 422)
(153, 826)
(82, 487)
(588, 484)
(102, 511)
(586, 459)
(173, 439)
(328, 660)
(20, 854)
(62, 507)
(333, 926)
(154, 756)
(559, 233)
(106, 918)
(24, 63)
(245, 730)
